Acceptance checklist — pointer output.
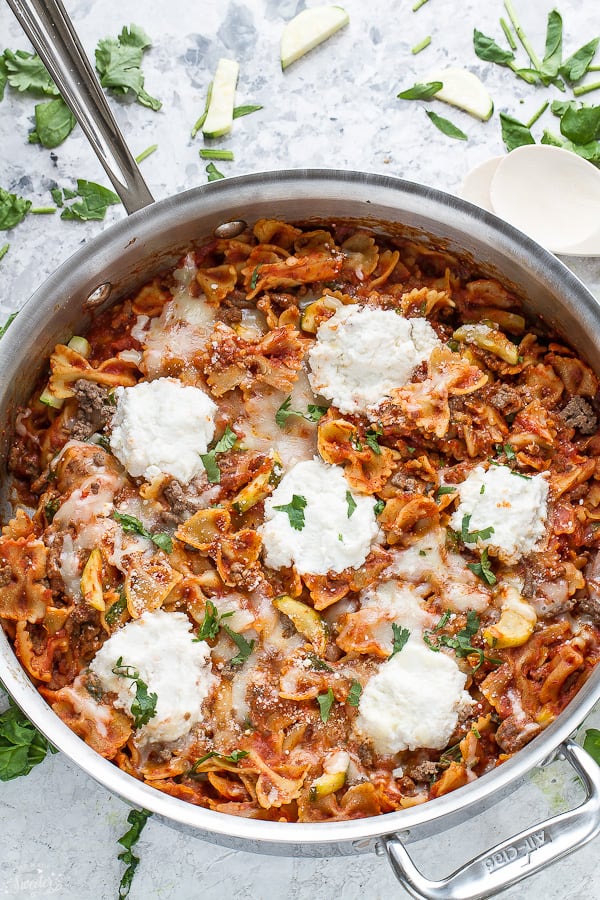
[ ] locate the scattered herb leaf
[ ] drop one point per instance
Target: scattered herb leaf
(487, 49)
(574, 68)
(13, 209)
(26, 72)
(54, 122)
(312, 414)
(240, 111)
(294, 511)
(351, 503)
(446, 127)
(134, 526)
(379, 507)
(372, 439)
(354, 693)
(21, 745)
(143, 708)
(213, 173)
(318, 663)
(245, 647)
(482, 569)
(209, 461)
(137, 819)
(118, 62)
(591, 743)
(514, 133)
(400, 637)
(114, 612)
(325, 702)
(471, 537)
(93, 203)
(421, 91)
(233, 757)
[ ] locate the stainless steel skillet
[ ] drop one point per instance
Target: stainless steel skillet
(153, 238)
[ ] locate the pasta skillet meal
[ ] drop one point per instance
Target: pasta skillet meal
(308, 528)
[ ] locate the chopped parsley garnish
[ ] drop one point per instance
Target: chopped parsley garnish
(209, 460)
(351, 503)
(233, 757)
(115, 611)
(143, 707)
(445, 489)
(294, 511)
(211, 622)
(51, 508)
(213, 173)
(13, 209)
(372, 438)
(318, 663)
(93, 203)
(21, 745)
(400, 635)
(137, 818)
(354, 693)
(379, 507)
(325, 702)
(471, 537)
(245, 647)
(461, 641)
(132, 525)
(482, 569)
(119, 62)
(313, 412)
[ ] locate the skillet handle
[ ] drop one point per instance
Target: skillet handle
(51, 32)
(516, 858)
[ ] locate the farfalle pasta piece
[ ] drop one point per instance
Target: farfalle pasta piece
(147, 585)
(23, 595)
(67, 366)
(272, 231)
(293, 271)
(217, 282)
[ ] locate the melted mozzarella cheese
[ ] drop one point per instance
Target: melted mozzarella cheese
(330, 538)
(413, 701)
(361, 354)
(160, 646)
(514, 506)
(162, 426)
(401, 602)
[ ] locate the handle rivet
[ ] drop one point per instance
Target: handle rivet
(98, 295)
(230, 229)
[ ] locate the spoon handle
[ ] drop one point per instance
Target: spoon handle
(51, 32)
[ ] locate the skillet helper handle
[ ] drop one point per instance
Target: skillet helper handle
(516, 858)
(51, 32)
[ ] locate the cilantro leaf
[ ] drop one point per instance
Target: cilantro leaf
(143, 707)
(13, 209)
(401, 635)
(294, 511)
(471, 537)
(21, 745)
(351, 503)
(245, 647)
(233, 757)
(313, 412)
(487, 49)
(446, 126)
(226, 442)
(421, 91)
(132, 525)
(325, 702)
(118, 62)
(372, 438)
(482, 569)
(26, 72)
(514, 133)
(137, 819)
(354, 693)
(93, 203)
(211, 623)
(461, 641)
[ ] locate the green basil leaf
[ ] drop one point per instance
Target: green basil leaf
(54, 122)
(487, 49)
(514, 133)
(446, 127)
(163, 541)
(353, 698)
(581, 125)
(421, 91)
(245, 647)
(143, 707)
(574, 68)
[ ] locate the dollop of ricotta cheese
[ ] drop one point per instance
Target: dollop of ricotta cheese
(361, 354)
(413, 701)
(160, 646)
(334, 534)
(162, 426)
(514, 506)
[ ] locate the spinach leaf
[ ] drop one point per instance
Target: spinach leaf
(54, 122)
(446, 127)
(574, 68)
(137, 819)
(118, 62)
(514, 133)
(21, 745)
(487, 49)
(13, 209)
(421, 91)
